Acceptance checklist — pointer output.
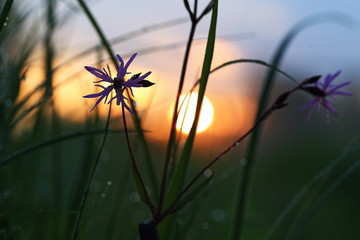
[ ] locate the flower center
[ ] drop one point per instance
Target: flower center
(118, 84)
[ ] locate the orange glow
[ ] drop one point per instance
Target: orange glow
(187, 113)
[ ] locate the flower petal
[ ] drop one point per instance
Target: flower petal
(329, 78)
(338, 86)
(99, 74)
(342, 93)
(130, 61)
(311, 103)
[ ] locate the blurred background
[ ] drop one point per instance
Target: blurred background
(46, 45)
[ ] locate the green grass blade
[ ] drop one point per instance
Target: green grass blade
(299, 227)
(338, 18)
(50, 141)
(180, 173)
(309, 187)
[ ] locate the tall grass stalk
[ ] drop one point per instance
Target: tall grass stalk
(244, 182)
(181, 169)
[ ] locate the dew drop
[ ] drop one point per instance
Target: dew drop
(243, 162)
(205, 225)
(218, 215)
(208, 172)
(103, 195)
(109, 183)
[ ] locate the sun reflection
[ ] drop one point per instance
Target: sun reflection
(187, 113)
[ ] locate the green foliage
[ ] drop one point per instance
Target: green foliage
(66, 180)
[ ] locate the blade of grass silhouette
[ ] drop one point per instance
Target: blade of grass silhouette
(338, 18)
(178, 179)
(125, 37)
(296, 230)
(172, 137)
(142, 189)
(349, 150)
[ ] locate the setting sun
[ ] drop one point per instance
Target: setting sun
(187, 113)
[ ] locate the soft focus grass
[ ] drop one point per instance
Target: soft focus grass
(41, 190)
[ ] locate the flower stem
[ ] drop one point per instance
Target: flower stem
(275, 106)
(138, 179)
(172, 137)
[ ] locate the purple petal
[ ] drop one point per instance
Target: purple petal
(93, 95)
(311, 104)
(130, 61)
(336, 87)
(99, 74)
(128, 108)
(97, 102)
(120, 100)
(329, 78)
(342, 93)
(135, 82)
(328, 106)
(97, 85)
(309, 115)
(120, 59)
(103, 94)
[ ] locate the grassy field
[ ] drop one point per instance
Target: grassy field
(262, 169)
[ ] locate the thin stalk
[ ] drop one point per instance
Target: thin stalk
(243, 186)
(107, 46)
(175, 116)
(278, 104)
(217, 158)
(50, 141)
(139, 181)
(91, 177)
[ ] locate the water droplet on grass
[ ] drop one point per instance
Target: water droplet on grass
(205, 225)
(109, 183)
(208, 172)
(218, 215)
(243, 161)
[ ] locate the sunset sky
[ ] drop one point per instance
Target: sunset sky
(246, 29)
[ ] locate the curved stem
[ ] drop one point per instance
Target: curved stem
(138, 179)
(217, 158)
(175, 116)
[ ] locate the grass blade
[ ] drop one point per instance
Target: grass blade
(338, 18)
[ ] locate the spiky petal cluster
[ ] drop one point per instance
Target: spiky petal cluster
(324, 93)
(118, 83)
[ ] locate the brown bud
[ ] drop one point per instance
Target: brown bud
(311, 80)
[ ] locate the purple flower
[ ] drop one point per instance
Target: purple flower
(118, 83)
(324, 93)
